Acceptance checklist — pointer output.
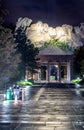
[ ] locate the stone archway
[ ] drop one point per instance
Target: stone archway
(54, 57)
(55, 72)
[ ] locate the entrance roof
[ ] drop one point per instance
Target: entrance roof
(54, 50)
(54, 54)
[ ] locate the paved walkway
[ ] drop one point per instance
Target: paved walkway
(48, 109)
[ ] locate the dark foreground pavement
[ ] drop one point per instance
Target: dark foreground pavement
(44, 108)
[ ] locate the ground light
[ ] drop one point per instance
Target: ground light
(77, 80)
(23, 82)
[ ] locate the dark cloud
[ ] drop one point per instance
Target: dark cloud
(54, 12)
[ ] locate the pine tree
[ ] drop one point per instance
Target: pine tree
(9, 60)
(27, 50)
(79, 61)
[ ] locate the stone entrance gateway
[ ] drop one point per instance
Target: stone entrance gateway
(55, 65)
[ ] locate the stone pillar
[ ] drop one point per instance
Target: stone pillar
(39, 75)
(48, 73)
(69, 71)
(59, 72)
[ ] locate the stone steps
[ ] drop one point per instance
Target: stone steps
(56, 85)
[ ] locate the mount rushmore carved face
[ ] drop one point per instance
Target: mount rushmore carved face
(40, 32)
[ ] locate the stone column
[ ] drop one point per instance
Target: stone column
(59, 72)
(39, 75)
(69, 71)
(48, 72)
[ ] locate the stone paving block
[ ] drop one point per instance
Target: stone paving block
(79, 125)
(55, 109)
(25, 128)
(79, 128)
(63, 118)
(45, 128)
(64, 128)
(35, 128)
(53, 123)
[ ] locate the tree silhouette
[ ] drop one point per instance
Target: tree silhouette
(79, 61)
(27, 50)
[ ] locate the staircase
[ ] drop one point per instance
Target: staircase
(56, 85)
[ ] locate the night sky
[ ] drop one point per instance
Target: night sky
(53, 12)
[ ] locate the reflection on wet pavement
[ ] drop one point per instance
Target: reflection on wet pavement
(44, 108)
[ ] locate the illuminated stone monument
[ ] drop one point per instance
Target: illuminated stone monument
(55, 63)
